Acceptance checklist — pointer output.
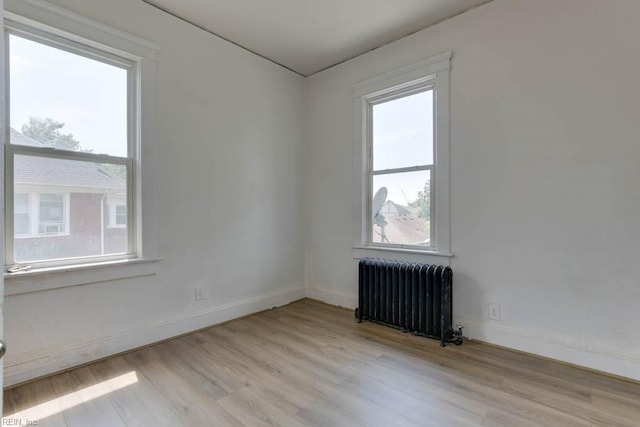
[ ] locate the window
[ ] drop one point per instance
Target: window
(71, 147)
(402, 143)
(402, 162)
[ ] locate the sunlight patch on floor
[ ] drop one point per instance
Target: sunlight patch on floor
(78, 397)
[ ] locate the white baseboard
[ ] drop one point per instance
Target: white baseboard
(614, 362)
(333, 297)
(65, 358)
(600, 359)
(604, 360)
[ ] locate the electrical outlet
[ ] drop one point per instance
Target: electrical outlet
(494, 312)
(199, 294)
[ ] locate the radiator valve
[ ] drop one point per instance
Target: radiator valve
(458, 334)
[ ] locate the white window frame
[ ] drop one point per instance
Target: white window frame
(429, 74)
(37, 35)
(371, 102)
(56, 26)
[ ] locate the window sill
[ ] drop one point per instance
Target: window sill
(400, 254)
(47, 278)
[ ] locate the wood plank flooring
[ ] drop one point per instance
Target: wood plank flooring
(311, 364)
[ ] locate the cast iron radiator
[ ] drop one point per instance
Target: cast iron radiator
(413, 297)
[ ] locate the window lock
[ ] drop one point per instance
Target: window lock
(17, 268)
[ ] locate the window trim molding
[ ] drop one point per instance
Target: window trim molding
(433, 71)
(63, 276)
(72, 26)
(74, 29)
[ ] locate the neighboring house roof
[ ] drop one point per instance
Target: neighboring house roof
(391, 208)
(50, 172)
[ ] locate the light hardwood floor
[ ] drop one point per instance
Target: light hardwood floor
(311, 364)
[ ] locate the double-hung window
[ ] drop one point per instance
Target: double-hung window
(402, 147)
(70, 149)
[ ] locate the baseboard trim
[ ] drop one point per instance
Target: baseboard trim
(606, 361)
(72, 356)
(620, 364)
(333, 297)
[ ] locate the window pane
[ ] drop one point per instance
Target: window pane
(72, 208)
(21, 213)
(404, 216)
(403, 132)
(64, 100)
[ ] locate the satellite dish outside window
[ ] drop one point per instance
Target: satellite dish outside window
(378, 218)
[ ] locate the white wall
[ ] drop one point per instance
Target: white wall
(229, 167)
(545, 178)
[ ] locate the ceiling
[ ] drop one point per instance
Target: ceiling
(308, 36)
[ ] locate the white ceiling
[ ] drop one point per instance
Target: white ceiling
(307, 36)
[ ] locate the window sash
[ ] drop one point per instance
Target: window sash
(10, 152)
(131, 161)
(432, 208)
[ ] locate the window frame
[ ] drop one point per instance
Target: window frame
(371, 102)
(74, 26)
(434, 74)
(104, 54)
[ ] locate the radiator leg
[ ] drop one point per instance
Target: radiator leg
(358, 315)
